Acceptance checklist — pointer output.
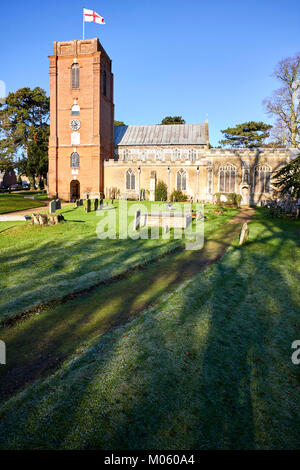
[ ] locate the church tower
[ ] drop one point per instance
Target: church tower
(81, 118)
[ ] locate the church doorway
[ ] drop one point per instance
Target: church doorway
(74, 190)
(245, 195)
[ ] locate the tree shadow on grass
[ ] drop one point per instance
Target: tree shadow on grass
(212, 370)
(202, 375)
(56, 332)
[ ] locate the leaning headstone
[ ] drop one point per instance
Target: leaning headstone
(43, 219)
(35, 219)
(137, 219)
(244, 234)
(52, 207)
(58, 204)
(55, 219)
(52, 219)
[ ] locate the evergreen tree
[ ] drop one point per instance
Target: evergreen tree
(246, 135)
(173, 120)
(287, 179)
(161, 191)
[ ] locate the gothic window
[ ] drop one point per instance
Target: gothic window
(160, 155)
(209, 181)
(75, 160)
(75, 76)
(181, 180)
(126, 155)
(130, 179)
(246, 176)
(176, 154)
(143, 156)
(227, 178)
(262, 177)
(192, 155)
(75, 110)
(104, 83)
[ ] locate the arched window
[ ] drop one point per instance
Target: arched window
(227, 178)
(160, 155)
(130, 179)
(209, 180)
(75, 76)
(75, 110)
(176, 154)
(74, 160)
(262, 177)
(144, 155)
(192, 155)
(181, 180)
(126, 155)
(104, 83)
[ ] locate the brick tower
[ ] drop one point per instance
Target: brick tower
(81, 118)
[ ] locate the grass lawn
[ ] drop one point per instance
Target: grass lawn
(16, 201)
(39, 264)
(209, 366)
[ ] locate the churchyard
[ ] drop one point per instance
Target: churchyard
(188, 350)
(21, 200)
(53, 261)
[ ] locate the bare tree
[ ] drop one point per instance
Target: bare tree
(284, 104)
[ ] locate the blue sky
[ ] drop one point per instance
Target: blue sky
(190, 58)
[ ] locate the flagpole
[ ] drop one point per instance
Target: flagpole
(83, 23)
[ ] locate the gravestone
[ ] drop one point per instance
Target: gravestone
(55, 219)
(96, 204)
(35, 219)
(87, 205)
(137, 220)
(166, 228)
(58, 203)
(101, 203)
(43, 219)
(52, 207)
(244, 234)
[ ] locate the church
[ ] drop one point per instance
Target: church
(88, 155)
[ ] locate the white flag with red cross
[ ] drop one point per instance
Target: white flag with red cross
(90, 15)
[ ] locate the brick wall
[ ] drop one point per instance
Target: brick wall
(96, 116)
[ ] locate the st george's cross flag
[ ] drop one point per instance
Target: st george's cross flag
(90, 15)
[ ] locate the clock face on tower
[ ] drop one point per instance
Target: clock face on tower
(75, 124)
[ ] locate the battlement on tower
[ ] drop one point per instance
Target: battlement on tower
(78, 47)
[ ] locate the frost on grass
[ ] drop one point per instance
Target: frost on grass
(55, 286)
(206, 368)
